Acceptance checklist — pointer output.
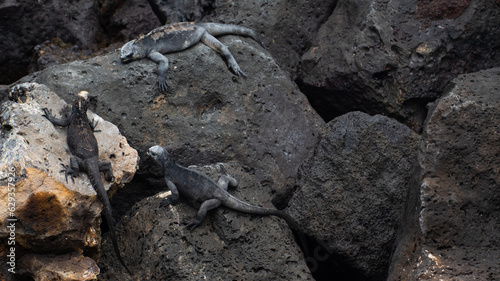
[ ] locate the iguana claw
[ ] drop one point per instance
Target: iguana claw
(193, 223)
(68, 171)
(167, 201)
(162, 84)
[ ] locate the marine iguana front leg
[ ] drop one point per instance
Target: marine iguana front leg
(220, 48)
(93, 125)
(173, 198)
(63, 121)
(162, 62)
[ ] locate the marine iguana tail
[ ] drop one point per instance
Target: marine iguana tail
(244, 207)
(83, 145)
(199, 187)
(220, 29)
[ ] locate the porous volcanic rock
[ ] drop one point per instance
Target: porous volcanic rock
(24, 25)
(352, 192)
(457, 215)
(209, 115)
(393, 57)
(50, 214)
(227, 245)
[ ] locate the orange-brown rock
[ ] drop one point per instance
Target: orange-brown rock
(71, 267)
(52, 215)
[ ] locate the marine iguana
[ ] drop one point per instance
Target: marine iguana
(180, 36)
(83, 145)
(199, 187)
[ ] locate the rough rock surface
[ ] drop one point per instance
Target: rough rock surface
(209, 115)
(228, 245)
(170, 11)
(52, 215)
(124, 20)
(26, 24)
(352, 191)
(70, 267)
(287, 28)
(458, 215)
(392, 57)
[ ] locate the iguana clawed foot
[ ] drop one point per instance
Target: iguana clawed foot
(193, 223)
(47, 113)
(167, 201)
(93, 124)
(68, 171)
(237, 70)
(162, 84)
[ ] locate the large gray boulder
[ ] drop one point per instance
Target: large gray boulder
(352, 192)
(228, 245)
(287, 28)
(456, 220)
(24, 25)
(392, 57)
(209, 115)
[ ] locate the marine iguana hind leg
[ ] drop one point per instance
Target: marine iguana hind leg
(75, 164)
(202, 212)
(105, 167)
(162, 62)
(215, 44)
(225, 181)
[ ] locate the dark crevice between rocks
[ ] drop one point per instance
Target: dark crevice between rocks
(325, 265)
(157, 11)
(417, 109)
(328, 104)
(141, 187)
(332, 104)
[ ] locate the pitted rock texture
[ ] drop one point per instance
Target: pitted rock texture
(352, 191)
(209, 115)
(457, 217)
(393, 57)
(53, 216)
(68, 267)
(228, 245)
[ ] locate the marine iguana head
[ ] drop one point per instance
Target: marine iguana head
(160, 155)
(130, 52)
(82, 100)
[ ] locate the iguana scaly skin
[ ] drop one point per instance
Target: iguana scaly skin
(180, 36)
(83, 147)
(199, 187)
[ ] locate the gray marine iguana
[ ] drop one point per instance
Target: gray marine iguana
(180, 36)
(199, 187)
(83, 145)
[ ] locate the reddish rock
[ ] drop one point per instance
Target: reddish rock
(441, 9)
